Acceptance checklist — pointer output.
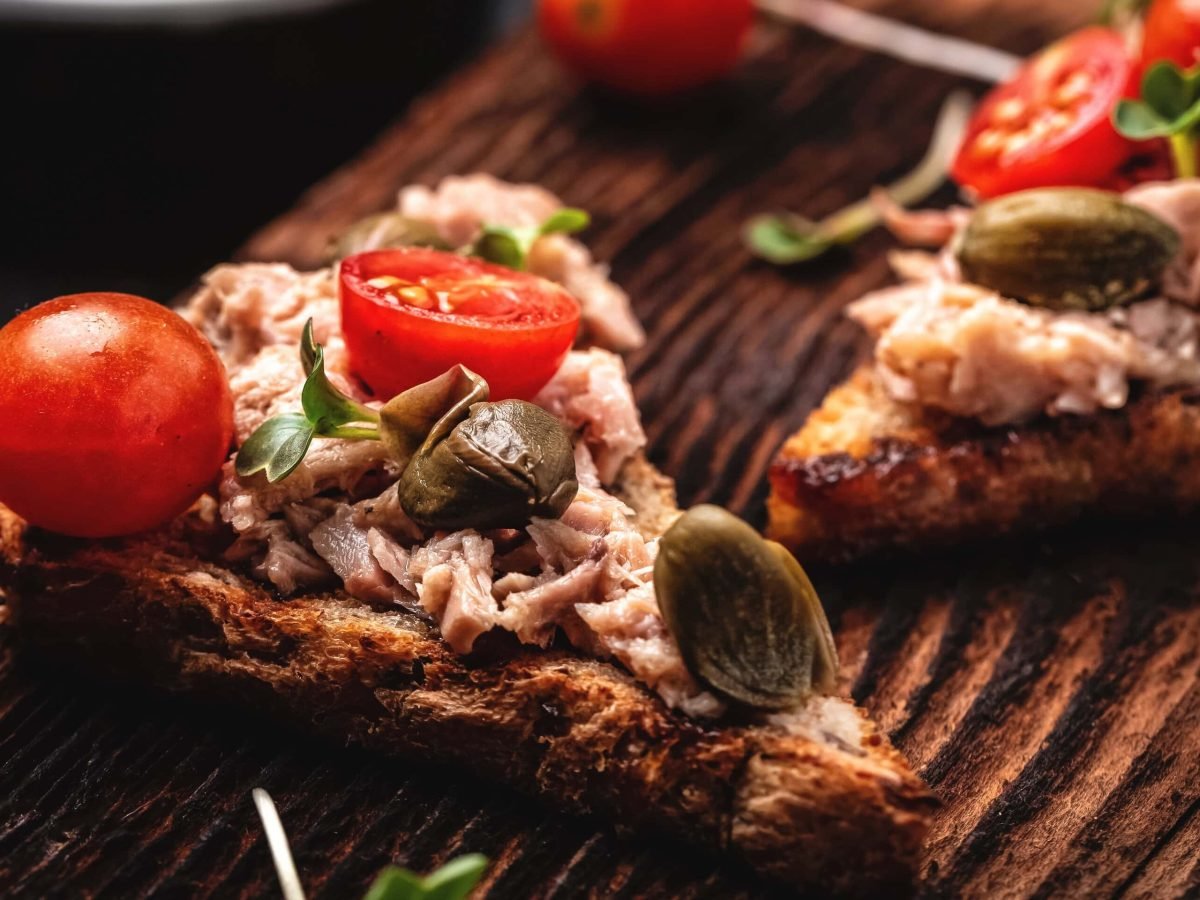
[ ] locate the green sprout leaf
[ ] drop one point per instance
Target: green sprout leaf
(452, 881)
(1169, 108)
(280, 444)
(456, 878)
(1169, 91)
(567, 220)
(504, 246)
(510, 247)
(276, 447)
(394, 883)
(308, 349)
(787, 238)
(1139, 122)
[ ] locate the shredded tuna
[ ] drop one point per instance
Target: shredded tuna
(592, 394)
(458, 592)
(922, 227)
(461, 205)
(392, 558)
(631, 629)
(536, 613)
(275, 555)
(243, 308)
(826, 719)
(344, 544)
(303, 517)
(1178, 204)
(349, 467)
(971, 352)
(607, 317)
(920, 265)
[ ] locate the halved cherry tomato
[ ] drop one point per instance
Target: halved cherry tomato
(116, 412)
(410, 314)
(1051, 124)
(1172, 32)
(649, 47)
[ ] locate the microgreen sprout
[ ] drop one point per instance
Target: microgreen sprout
(1169, 108)
(787, 238)
(280, 444)
(453, 881)
(510, 246)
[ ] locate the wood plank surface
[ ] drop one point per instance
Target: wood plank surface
(1047, 690)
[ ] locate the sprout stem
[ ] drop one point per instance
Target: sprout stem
(1183, 150)
(352, 433)
(789, 238)
(281, 853)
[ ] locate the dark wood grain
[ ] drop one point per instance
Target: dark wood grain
(1048, 691)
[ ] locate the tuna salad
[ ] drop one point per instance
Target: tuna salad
(336, 518)
(956, 337)
(581, 569)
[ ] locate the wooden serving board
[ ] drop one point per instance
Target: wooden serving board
(1046, 690)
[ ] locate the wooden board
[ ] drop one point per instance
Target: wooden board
(1047, 690)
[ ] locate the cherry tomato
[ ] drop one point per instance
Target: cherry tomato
(410, 314)
(1172, 32)
(1050, 125)
(117, 415)
(648, 47)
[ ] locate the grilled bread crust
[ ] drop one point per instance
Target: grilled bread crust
(163, 609)
(867, 473)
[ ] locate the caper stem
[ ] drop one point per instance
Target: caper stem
(1183, 149)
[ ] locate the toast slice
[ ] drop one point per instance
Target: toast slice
(814, 796)
(867, 473)
(820, 799)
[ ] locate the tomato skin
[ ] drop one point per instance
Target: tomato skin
(394, 346)
(1172, 31)
(647, 47)
(1043, 128)
(117, 415)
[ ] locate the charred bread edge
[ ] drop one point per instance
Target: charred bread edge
(917, 480)
(579, 732)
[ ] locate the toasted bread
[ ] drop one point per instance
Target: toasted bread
(802, 806)
(867, 473)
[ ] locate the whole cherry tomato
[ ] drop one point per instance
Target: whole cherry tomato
(1050, 125)
(410, 314)
(1172, 32)
(648, 47)
(117, 415)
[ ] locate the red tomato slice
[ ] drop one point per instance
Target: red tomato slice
(410, 314)
(1051, 124)
(648, 47)
(1172, 32)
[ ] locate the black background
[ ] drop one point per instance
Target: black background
(134, 156)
